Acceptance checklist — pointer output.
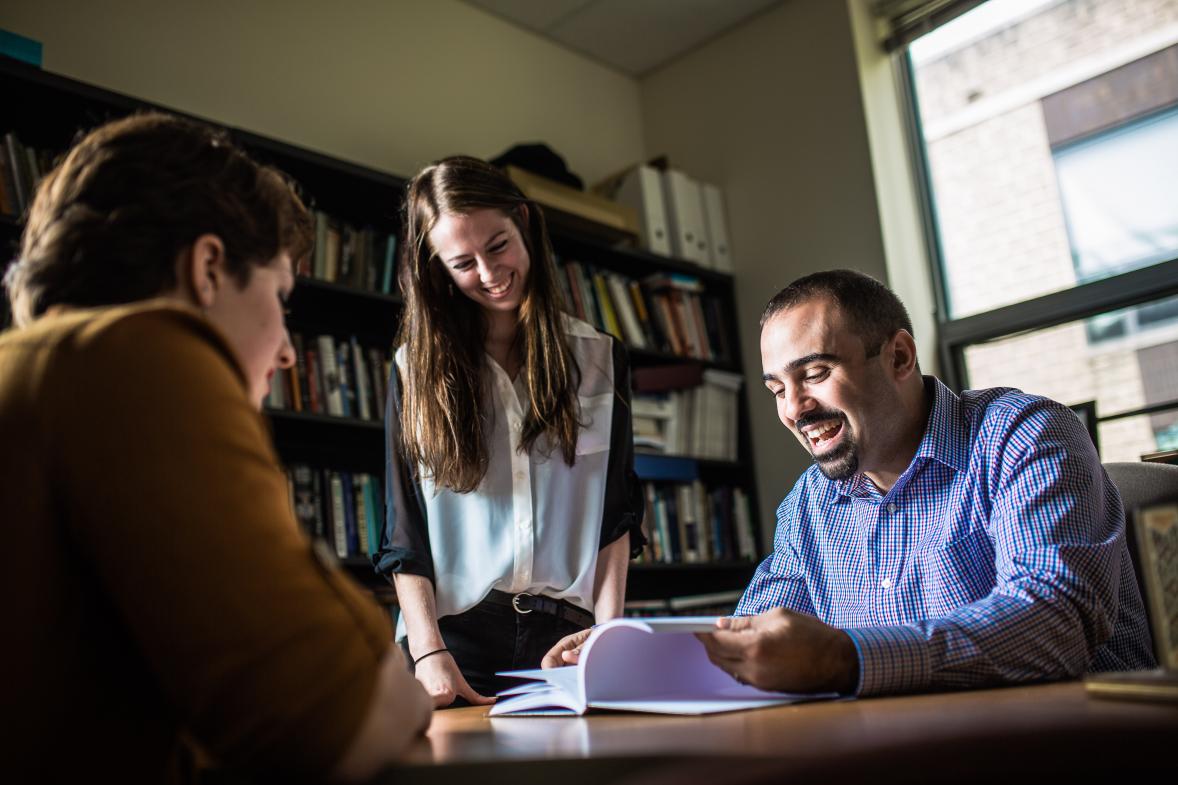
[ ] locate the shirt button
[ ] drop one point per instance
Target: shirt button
(892, 507)
(520, 476)
(886, 583)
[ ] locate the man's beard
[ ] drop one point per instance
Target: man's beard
(842, 462)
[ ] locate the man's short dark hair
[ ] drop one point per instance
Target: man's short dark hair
(873, 310)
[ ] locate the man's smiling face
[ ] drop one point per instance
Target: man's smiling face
(830, 393)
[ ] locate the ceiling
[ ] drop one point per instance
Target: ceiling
(633, 36)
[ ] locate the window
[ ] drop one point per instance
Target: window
(1049, 133)
(1119, 193)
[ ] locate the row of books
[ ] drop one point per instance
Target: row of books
(667, 312)
(332, 376)
(690, 522)
(362, 258)
(721, 603)
(344, 510)
(686, 411)
(21, 168)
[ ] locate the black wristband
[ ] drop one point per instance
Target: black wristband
(429, 654)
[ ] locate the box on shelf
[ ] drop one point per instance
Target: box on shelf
(615, 220)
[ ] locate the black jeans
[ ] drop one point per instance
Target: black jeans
(491, 637)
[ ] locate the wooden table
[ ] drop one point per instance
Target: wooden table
(1052, 730)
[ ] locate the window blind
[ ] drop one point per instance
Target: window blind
(907, 20)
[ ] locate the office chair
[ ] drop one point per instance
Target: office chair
(1142, 484)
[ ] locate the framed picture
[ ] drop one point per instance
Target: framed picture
(1157, 543)
(1086, 413)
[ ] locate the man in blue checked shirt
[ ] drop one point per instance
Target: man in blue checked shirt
(938, 542)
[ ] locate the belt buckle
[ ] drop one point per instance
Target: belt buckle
(515, 603)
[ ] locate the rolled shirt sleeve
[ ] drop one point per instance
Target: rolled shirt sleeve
(624, 503)
(404, 545)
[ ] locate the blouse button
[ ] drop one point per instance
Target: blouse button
(520, 476)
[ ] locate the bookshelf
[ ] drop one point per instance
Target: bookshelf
(654, 585)
(45, 111)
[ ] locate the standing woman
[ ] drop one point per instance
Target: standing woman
(513, 507)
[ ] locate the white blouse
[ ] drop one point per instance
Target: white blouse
(534, 524)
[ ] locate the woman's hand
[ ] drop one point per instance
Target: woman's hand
(443, 681)
(567, 650)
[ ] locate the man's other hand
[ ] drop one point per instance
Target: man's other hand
(784, 651)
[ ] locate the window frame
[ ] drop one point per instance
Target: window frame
(1135, 287)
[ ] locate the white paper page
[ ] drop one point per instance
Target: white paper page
(624, 661)
(680, 623)
(547, 701)
(565, 678)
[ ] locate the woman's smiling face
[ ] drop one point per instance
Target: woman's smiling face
(484, 253)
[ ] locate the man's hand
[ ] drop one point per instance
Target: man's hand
(567, 650)
(443, 681)
(784, 651)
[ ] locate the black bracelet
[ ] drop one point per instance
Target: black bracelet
(429, 654)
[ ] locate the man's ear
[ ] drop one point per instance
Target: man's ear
(201, 271)
(903, 351)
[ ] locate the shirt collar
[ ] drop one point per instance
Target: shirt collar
(945, 439)
(577, 328)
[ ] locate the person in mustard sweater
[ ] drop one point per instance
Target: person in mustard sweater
(163, 607)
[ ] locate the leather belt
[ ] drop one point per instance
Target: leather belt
(524, 603)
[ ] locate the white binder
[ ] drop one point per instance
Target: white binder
(717, 226)
(642, 189)
(685, 214)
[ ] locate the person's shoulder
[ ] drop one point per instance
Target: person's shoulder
(1010, 422)
(1009, 407)
(155, 334)
(574, 328)
(135, 326)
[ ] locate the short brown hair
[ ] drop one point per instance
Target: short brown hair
(872, 310)
(108, 222)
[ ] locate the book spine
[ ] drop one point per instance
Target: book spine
(314, 382)
(331, 382)
(346, 385)
(338, 515)
(390, 263)
(319, 258)
(372, 514)
(609, 317)
(363, 532)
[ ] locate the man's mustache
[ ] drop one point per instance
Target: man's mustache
(819, 416)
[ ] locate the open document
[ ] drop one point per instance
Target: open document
(648, 665)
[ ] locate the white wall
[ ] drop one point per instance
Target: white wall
(772, 112)
(392, 84)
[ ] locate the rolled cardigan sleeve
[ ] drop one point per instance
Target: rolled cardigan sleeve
(404, 545)
(624, 503)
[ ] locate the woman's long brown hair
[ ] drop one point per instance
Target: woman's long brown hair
(444, 421)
